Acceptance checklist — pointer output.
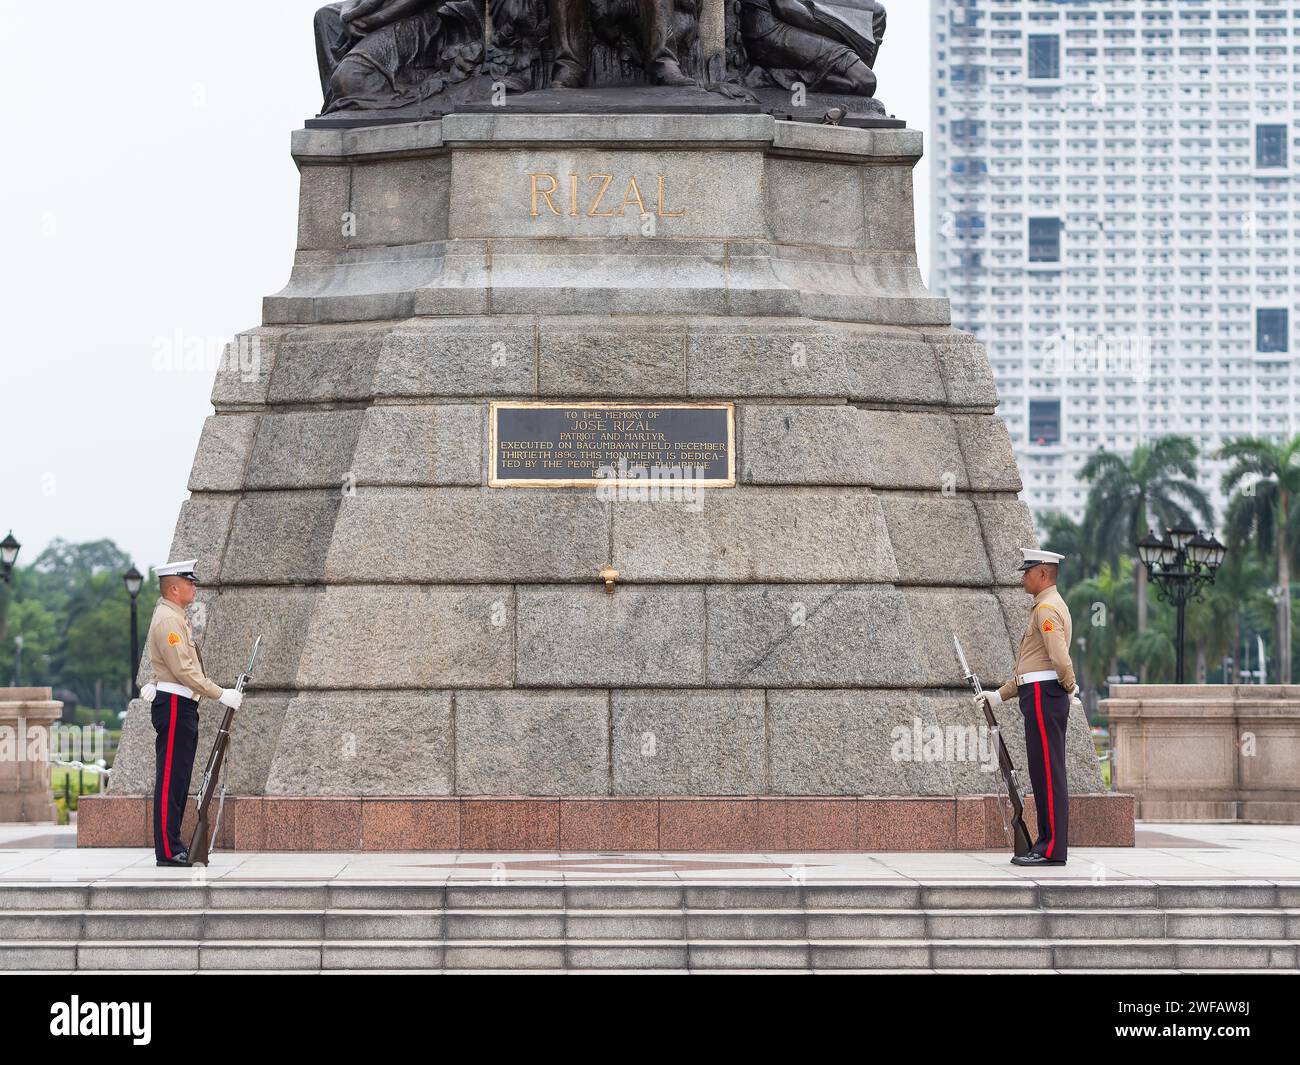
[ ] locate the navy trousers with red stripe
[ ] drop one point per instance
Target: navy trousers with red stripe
(1046, 707)
(176, 723)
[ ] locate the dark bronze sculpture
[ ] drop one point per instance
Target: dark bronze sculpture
(571, 39)
(824, 46)
(410, 58)
(391, 54)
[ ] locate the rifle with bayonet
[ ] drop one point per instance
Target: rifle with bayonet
(199, 845)
(1020, 834)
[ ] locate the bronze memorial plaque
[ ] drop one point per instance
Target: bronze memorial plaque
(582, 445)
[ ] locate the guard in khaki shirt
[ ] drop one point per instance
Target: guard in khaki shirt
(179, 681)
(1044, 681)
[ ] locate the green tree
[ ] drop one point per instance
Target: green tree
(1103, 610)
(1236, 602)
(73, 613)
(1158, 481)
(1264, 479)
(1066, 537)
(28, 620)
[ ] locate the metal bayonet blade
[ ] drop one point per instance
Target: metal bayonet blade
(252, 659)
(961, 655)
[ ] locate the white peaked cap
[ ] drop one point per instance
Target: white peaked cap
(178, 569)
(1034, 558)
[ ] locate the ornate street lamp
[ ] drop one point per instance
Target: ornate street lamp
(1181, 565)
(9, 548)
(134, 581)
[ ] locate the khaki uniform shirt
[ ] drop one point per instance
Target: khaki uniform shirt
(172, 651)
(1046, 642)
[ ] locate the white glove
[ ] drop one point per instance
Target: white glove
(232, 698)
(1075, 694)
(148, 693)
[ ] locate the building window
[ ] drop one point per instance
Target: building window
(1044, 240)
(1044, 422)
(1272, 329)
(1044, 55)
(1270, 147)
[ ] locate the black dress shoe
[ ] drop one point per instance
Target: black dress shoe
(181, 858)
(1033, 858)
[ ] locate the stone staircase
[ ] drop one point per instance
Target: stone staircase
(546, 927)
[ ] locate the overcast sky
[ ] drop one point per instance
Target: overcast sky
(150, 203)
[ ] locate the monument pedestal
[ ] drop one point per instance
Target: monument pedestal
(26, 715)
(444, 667)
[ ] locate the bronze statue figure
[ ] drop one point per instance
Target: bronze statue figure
(390, 54)
(825, 46)
(571, 40)
(409, 58)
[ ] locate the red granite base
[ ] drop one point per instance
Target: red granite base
(458, 823)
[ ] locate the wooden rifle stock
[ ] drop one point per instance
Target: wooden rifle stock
(200, 844)
(1020, 833)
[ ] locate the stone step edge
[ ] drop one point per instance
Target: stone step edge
(811, 971)
(668, 911)
(529, 944)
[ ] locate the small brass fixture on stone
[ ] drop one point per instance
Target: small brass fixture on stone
(609, 575)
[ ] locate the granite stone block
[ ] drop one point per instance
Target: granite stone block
(532, 743)
(327, 363)
(966, 371)
(410, 825)
(936, 538)
(847, 445)
(201, 533)
(1008, 527)
(469, 534)
(582, 637)
(364, 743)
(409, 637)
(975, 617)
(640, 357)
(424, 446)
(688, 743)
(400, 201)
(988, 454)
(825, 209)
(786, 359)
(324, 201)
(222, 457)
(243, 379)
(609, 825)
(810, 636)
(755, 534)
(305, 450)
(847, 742)
(459, 357)
(238, 616)
(281, 537)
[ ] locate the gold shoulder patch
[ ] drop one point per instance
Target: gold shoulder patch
(173, 638)
(1048, 625)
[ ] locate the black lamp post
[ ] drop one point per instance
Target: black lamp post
(1181, 565)
(9, 548)
(134, 581)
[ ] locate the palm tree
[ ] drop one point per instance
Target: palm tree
(1067, 538)
(1236, 602)
(1102, 607)
(1158, 480)
(1266, 480)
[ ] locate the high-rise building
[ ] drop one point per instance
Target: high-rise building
(1116, 190)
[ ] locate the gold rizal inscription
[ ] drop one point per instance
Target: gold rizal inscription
(586, 445)
(597, 195)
